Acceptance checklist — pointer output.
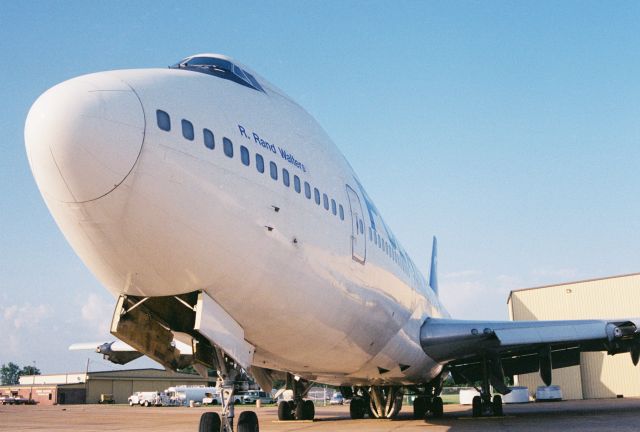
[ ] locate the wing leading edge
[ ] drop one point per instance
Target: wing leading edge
(506, 348)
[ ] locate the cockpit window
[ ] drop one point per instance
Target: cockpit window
(221, 68)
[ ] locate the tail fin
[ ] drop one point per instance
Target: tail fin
(433, 273)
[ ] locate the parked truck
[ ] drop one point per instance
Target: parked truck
(183, 395)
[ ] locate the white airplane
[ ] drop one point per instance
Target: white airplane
(218, 212)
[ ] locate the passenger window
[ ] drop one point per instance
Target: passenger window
(316, 194)
(307, 190)
(164, 122)
(227, 146)
(244, 155)
(187, 129)
(259, 163)
(273, 170)
(325, 201)
(296, 183)
(209, 142)
(333, 206)
(285, 177)
(341, 212)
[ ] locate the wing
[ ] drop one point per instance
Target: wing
(515, 347)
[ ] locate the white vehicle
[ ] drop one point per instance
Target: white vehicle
(183, 395)
(212, 399)
(252, 396)
(146, 398)
(216, 209)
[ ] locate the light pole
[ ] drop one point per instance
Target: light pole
(33, 382)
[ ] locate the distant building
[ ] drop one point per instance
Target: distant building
(80, 388)
(598, 375)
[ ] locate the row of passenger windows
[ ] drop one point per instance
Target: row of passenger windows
(164, 123)
(387, 248)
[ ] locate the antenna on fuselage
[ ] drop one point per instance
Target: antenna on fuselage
(433, 273)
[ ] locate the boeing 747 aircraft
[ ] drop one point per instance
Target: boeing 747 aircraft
(219, 213)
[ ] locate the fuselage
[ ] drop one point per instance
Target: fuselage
(167, 181)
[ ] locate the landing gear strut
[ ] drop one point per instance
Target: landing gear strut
(228, 371)
(385, 401)
(377, 401)
(429, 403)
(298, 408)
(483, 405)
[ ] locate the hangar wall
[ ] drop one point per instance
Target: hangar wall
(598, 375)
(122, 384)
(74, 388)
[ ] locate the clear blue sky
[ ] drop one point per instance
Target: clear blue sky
(511, 130)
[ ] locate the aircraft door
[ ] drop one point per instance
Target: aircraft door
(358, 237)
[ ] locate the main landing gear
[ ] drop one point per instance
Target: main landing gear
(228, 371)
(298, 408)
(428, 403)
(378, 401)
(428, 406)
(483, 405)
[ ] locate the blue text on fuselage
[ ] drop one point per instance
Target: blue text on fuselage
(289, 157)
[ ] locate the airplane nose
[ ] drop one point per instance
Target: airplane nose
(83, 137)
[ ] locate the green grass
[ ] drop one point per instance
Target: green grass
(451, 399)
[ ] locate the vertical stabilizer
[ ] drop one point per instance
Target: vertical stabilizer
(433, 273)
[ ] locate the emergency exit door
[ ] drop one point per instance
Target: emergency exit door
(358, 238)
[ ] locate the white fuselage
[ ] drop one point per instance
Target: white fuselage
(153, 213)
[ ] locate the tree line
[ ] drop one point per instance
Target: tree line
(10, 373)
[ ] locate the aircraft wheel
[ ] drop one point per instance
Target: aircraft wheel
(476, 406)
(308, 410)
(284, 411)
(300, 411)
(357, 408)
(497, 406)
(419, 407)
(248, 422)
(209, 422)
(437, 408)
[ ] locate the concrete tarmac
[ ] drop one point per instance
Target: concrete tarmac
(592, 415)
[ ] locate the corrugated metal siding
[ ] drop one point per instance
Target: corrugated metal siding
(567, 378)
(601, 376)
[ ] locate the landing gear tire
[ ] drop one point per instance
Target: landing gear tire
(437, 407)
(357, 408)
(284, 411)
(476, 406)
(308, 410)
(209, 422)
(248, 422)
(497, 406)
(419, 407)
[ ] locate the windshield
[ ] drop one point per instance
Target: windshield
(221, 68)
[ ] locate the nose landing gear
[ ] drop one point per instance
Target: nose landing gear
(228, 371)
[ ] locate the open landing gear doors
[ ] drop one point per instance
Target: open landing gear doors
(149, 324)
